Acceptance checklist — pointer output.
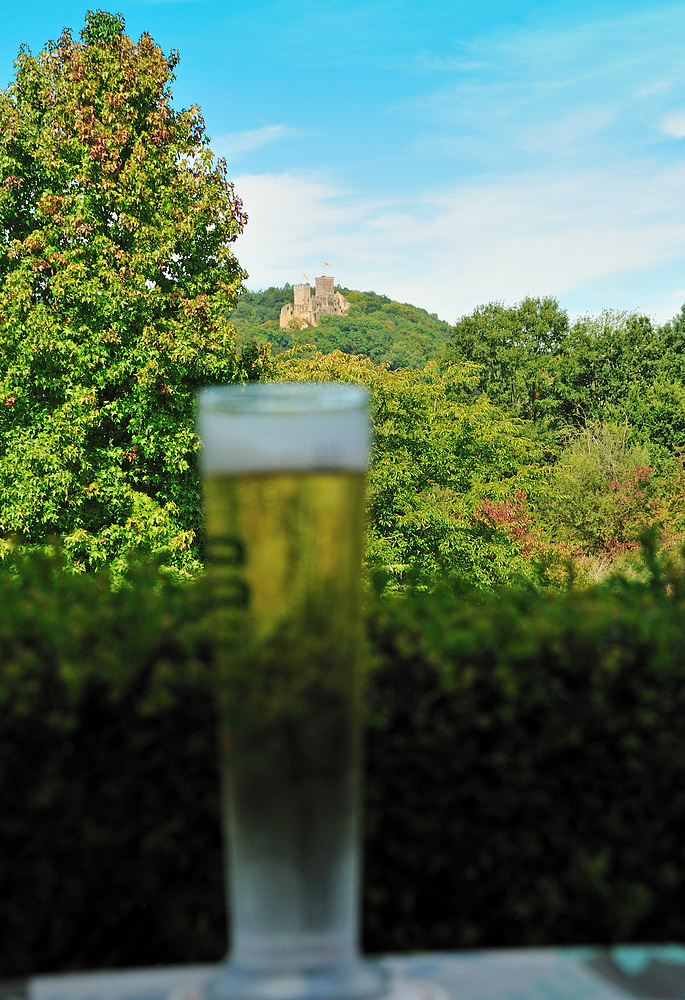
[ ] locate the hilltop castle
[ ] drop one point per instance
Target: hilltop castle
(308, 308)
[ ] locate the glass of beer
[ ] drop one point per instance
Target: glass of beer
(283, 472)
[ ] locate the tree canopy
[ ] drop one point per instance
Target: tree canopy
(444, 471)
(116, 277)
(541, 367)
(515, 347)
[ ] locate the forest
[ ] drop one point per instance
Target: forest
(515, 446)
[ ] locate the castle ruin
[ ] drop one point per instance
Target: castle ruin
(309, 308)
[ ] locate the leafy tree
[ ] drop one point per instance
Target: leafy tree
(102, 27)
(437, 462)
(516, 347)
(396, 334)
(606, 398)
(256, 317)
(602, 493)
(539, 367)
(656, 411)
(672, 334)
(604, 357)
(116, 275)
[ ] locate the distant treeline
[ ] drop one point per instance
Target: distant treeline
(508, 444)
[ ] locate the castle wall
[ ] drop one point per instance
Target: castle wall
(309, 308)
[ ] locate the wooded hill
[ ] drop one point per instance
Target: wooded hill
(387, 332)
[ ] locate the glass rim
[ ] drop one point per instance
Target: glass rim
(282, 398)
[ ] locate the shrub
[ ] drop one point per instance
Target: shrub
(525, 769)
(602, 494)
(108, 778)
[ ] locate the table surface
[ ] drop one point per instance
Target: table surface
(655, 972)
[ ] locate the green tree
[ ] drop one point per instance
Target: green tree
(516, 347)
(602, 493)
(604, 358)
(256, 317)
(672, 335)
(116, 276)
(393, 333)
(539, 367)
(102, 27)
(441, 464)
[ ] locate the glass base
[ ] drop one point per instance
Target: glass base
(414, 989)
(365, 981)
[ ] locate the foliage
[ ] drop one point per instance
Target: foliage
(655, 410)
(436, 459)
(256, 317)
(116, 275)
(102, 27)
(525, 769)
(602, 492)
(605, 359)
(540, 367)
(108, 772)
(672, 335)
(611, 370)
(387, 332)
(517, 347)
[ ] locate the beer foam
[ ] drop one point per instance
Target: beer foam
(283, 427)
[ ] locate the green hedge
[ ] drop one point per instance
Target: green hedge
(526, 766)
(109, 837)
(525, 770)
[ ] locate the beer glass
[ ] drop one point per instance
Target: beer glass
(283, 475)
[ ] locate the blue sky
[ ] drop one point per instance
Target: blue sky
(445, 154)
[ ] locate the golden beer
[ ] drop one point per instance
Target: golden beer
(284, 554)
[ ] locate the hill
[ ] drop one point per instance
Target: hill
(393, 333)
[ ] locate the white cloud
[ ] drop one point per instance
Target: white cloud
(674, 125)
(294, 222)
(235, 143)
(560, 87)
(475, 242)
(567, 130)
(660, 87)
(542, 235)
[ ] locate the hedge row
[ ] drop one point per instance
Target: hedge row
(525, 770)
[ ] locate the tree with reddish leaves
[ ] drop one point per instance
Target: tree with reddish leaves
(116, 276)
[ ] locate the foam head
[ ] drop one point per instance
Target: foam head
(282, 427)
